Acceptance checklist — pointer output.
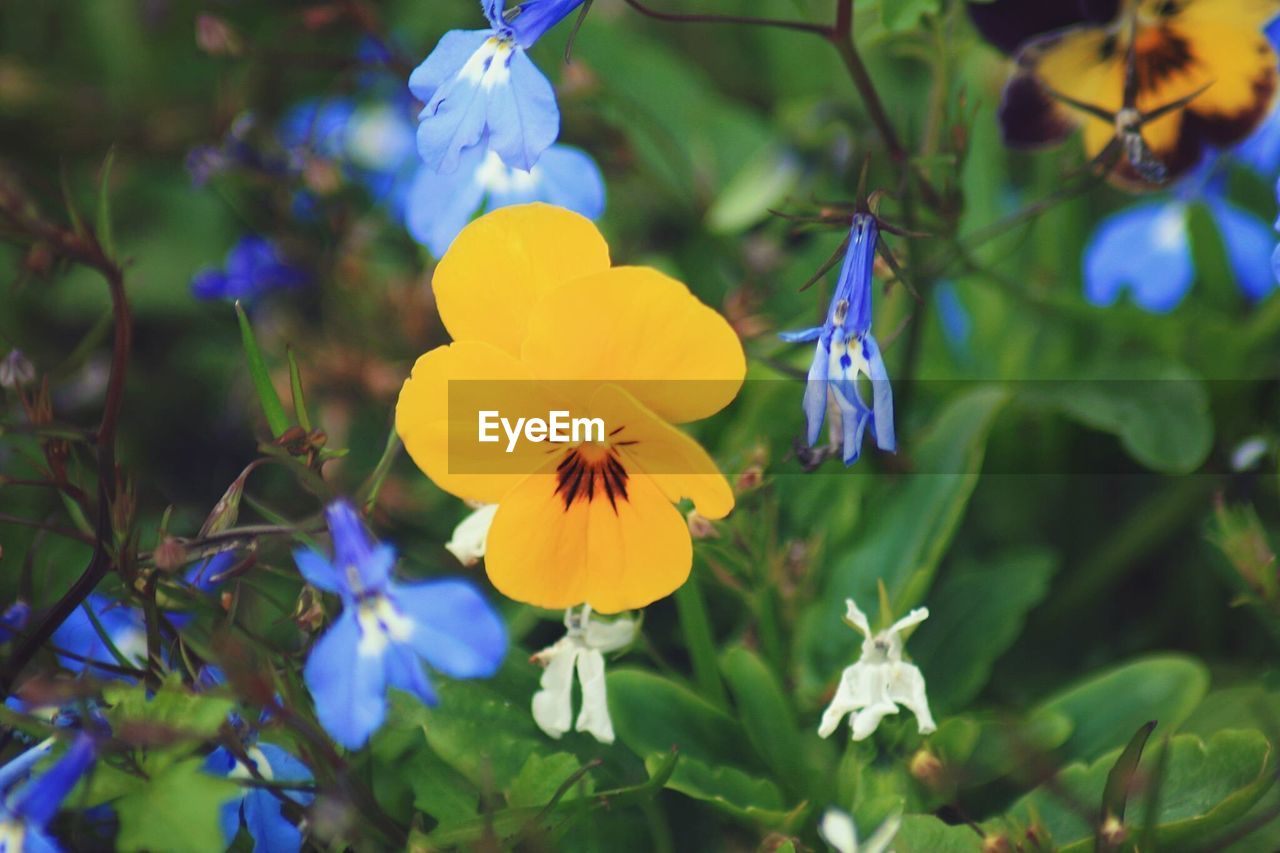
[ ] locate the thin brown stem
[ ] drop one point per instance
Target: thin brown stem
(682, 18)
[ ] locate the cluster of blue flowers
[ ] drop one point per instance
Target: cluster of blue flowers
(485, 139)
(847, 350)
(487, 130)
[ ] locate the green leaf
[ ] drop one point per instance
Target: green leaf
(761, 184)
(1207, 787)
(103, 217)
(541, 776)
(903, 541)
(927, 834)
(652, 714)
(737, 794)
(995, 595)
(983, 748)
(900, 15)
(295, 388)
(1120, 781)
(766, 715)
(277, 420)
(483, 735)
(182, 803)
(1106, 709)
(174, 709)
(1163, 419)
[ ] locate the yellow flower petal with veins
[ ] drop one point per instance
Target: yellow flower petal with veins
(587, 520)
(644, 331)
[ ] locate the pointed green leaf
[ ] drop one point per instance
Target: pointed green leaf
(295, 386)
(277, 420)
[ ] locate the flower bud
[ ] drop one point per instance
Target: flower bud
(215, 36)
(701, 527)
(927, 768)
(16, 370)
(170, 555)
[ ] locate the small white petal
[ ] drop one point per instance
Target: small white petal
(907, 689)
(553, 704)
(471, 535)
(838, 830)
(865, 722)
(915, 617)
(609, 636)
(846, 699)
(856, 617)
(881, 839)
(594, 717)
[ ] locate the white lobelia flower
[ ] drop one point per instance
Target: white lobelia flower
(471, 534)
(583, 648)
(838, 830)
(880, 681)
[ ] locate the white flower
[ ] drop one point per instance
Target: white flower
(838, 830)
(471, 534)
(880, 681)
(585, 645)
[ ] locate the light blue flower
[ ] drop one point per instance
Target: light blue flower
(480, 83)
(84, 647)
(440, 205)
(27, 807)
(259, 808)
(846, 349)
(1146, 249)
(386, 630)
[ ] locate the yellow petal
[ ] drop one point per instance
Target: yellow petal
(636, 327)
(437, 417)
(615, 556)
(677, 464)
(501, 263)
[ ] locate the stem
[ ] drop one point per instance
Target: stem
(679, 18)
(83, 247)
(696, 627)
(841, 36)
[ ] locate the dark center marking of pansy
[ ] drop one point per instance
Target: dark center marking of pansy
(589, 472)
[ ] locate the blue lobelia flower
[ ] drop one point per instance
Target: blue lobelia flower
(847, 350)
(84, 646)
(13, 619)
(26, 808)
(254, 267)
(530, 19)
(316, 127)
(440, 205)
(1146, 248)
(259, 808)
(480, 83)
(385, 631)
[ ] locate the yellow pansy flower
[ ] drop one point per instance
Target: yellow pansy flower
(542, 323)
